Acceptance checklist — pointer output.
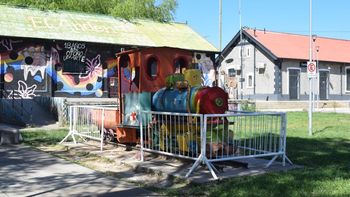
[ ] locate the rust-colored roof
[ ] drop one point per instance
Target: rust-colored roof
(293, 46)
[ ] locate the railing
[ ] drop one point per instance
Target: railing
(172, 134)
(214, 137)
(90, 122)
(202, 138)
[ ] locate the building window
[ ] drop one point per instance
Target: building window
(231, 72)
(240, 48)
(152, 67)
(248, 52)
(180, 65)
(347, 78)
(124, 63)
(250, 81)
(303, 64)
(73, 58)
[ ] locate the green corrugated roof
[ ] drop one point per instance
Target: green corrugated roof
(61, 25)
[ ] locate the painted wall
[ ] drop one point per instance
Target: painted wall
(272, 83)
(264, 80)
(336, 79)
(32, 67)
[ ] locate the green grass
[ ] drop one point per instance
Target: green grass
(325, 157)
(43, 137)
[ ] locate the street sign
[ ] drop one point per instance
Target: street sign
(311, 69)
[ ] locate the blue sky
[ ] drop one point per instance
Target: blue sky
(331, 18)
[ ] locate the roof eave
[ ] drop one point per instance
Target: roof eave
(235, 41)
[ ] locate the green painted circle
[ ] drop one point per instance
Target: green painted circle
(219, 102)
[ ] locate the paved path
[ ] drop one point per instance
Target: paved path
(27, 172)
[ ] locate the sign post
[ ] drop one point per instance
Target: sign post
(311, 74)
(311, 70)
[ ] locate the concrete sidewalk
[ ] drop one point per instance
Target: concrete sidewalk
(27, 172)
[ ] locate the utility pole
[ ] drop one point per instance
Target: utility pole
(220, 25)
(241, 45)
(310, 79)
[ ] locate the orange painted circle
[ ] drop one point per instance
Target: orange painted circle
(8, 77)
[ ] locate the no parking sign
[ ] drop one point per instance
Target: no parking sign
(311, 69)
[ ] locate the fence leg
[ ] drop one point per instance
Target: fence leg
(287, 159)
(71, 132)
(211, 168)
(75, 142)
(195, 165)
(284, 125)
(271, 161)
(65, 138)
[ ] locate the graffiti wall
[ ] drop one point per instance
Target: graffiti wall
(31, 67)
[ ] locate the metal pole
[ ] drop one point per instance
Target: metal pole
(220, 25)
(313, 79)
(241, 45)
(102, 129)
(310, 79)
(318, 79)
(141, 133)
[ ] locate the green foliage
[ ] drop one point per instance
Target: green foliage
(127, 9)
(248, 106)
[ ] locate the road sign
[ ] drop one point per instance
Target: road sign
(311, 69)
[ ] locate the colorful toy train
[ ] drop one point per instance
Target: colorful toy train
(162, 79)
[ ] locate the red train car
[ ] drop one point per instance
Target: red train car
(143, 77)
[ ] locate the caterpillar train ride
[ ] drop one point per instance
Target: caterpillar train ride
(162, 79)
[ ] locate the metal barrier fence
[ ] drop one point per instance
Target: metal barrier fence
(214, 137)
(89, 122)
(173, 134)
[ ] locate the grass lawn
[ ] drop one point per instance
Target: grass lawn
(325, 157)
(43, 137)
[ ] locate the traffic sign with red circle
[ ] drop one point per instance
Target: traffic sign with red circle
(311, 69)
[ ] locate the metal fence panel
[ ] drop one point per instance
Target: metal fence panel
(243, 135)
(173, 134)
(88, 122)
(215, 137)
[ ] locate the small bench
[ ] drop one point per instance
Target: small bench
(9, 134)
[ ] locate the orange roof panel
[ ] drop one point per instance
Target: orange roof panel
(293, 46)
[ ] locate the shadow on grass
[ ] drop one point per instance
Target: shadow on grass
(323, 130)
(326, 173)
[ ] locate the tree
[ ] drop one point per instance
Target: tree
(163, 10)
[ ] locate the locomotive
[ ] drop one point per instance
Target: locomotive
(162, 79)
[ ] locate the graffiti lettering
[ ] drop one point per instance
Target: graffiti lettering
(75, 51)
(7, 43)
(79, 25)
(74, 45)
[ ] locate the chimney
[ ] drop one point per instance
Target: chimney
(255, 31)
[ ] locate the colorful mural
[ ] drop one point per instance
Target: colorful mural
(206, 65)
(72, 69)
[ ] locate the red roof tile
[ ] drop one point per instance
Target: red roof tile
(293, 46)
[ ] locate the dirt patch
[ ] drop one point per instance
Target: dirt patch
(112, 162)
